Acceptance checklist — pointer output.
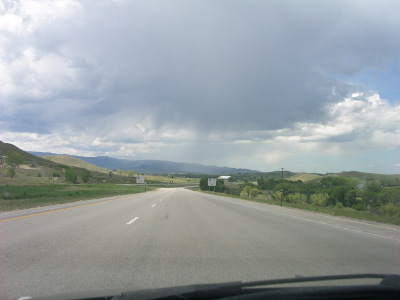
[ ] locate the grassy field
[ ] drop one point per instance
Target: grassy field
(28, 190)
(330, 210)
(175, 180)
(27, 196)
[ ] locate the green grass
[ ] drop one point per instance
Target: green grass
(28, 196)
(330, 210)
(175, 180)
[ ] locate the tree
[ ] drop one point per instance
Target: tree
(110, 174)
(389, 195)
(337, 194)
(288, 188)
(246, 191)
(370, 193)
(130, 173)
(70, 175)
(220, 186)
(331, 181)
(267, 183)
(85, 176)
(203, 184)
(350, 198)
(14, 159)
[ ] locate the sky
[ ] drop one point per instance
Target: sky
(307, 85)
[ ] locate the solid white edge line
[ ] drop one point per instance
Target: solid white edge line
(131, 221)
(310, 220)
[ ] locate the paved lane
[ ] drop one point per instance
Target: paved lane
(175, 236)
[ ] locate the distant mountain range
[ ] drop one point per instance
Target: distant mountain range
(154, 166)
(165, 167)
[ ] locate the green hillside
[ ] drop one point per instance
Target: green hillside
(304, 177)
(74, 162)
(29, 159)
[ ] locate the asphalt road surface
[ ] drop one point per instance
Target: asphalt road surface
(175, 237)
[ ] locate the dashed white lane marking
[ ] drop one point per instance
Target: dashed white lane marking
(131, 221)
(153, 205)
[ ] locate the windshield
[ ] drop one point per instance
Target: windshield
(149, 144)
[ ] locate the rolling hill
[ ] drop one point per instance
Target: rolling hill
(305, 177)
(74, 162)
(29, 158)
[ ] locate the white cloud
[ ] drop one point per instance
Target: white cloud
(362, 117)
(22, 17)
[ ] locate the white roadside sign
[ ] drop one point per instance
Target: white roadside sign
(140, 179)
(212, 182)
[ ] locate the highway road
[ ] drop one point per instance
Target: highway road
(176, 236)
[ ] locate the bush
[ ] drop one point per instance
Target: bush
(339, 205)
(246, 192)
(11, 172)
(359, 206)
(277, 196)
(203, 184)
(320, 199)
(297, 198)
(392, 209)
(254, 192)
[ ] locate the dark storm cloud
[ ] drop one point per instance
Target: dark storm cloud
(260, 65)
(255, 63)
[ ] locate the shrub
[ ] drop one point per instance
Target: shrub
(359, 206)
(392, 209)
(11, 172)
(297, 198)
(320, 199)
(254, 192)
